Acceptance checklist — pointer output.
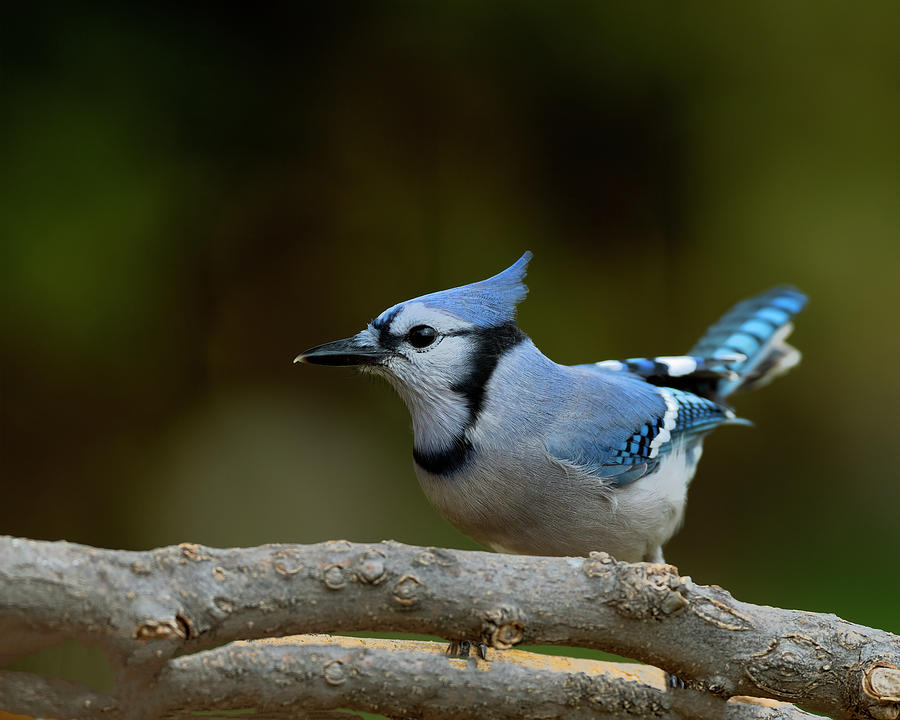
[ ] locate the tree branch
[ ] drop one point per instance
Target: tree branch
(144, 607)
(303, 675)
(408, 678)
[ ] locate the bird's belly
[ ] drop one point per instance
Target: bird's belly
(541, 509)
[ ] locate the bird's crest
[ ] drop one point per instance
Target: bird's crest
(486, 303)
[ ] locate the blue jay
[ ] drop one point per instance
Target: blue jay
(531, 457)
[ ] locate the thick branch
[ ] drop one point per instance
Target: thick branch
(146, 606)
(291, 677)
(406, 678)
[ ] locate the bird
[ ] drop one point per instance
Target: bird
(527, 456)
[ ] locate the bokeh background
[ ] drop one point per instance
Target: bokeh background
(191, 195)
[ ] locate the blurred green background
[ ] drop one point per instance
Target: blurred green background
(192, 194)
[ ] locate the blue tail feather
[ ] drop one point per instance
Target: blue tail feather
(755, 328)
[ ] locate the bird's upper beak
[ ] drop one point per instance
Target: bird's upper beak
(361, 349)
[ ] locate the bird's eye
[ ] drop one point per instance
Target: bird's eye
(421, 336)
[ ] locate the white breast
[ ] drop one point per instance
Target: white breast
(538, 507)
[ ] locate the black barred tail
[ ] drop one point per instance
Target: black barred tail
(750, 341)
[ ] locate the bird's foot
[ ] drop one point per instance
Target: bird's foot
(674, 682)
(462, 648)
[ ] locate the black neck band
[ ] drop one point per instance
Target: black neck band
(490, 345)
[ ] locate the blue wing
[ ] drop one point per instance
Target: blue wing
(625, 416)
(619, 427)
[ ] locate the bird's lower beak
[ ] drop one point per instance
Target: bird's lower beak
(356, 350)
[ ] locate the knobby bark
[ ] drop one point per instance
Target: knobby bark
(144, 608)
(306, 676)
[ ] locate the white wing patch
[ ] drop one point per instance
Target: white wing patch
(611, 365)
(668, 424)
(678, 364)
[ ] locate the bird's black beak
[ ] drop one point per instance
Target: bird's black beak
(357, 350)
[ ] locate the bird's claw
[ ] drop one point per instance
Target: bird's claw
(462, 648)
(459, 648)
(674, 682)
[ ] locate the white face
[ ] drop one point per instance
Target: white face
(430, 348)
(431, 355)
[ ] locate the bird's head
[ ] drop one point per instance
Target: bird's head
(441, 344)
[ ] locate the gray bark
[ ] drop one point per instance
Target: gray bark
(143, 608)
(305, 676)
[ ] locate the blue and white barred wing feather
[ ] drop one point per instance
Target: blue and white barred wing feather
(650, 422)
